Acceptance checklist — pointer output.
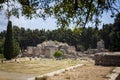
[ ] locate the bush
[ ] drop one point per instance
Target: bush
(80, 48)
(1, 45)
(1, 56)
(16, 48)
(58, 54)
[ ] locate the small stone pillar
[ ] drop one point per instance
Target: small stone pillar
(100, 46)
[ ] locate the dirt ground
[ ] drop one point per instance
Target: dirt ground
(24, 70)
(14, 76)
(88, 72)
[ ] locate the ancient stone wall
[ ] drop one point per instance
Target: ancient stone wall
(49, 51)
(107, 59)
(48, 48)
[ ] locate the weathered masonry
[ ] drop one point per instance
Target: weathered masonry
(107, 59)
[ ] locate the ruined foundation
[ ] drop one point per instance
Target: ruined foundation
(107, 59)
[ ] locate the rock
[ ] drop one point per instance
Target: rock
(100, 46)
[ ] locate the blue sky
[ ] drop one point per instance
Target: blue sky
(38, 23)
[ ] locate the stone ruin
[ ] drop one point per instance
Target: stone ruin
(107, 59)
(48, 48)
(100, 46)
(104, 57)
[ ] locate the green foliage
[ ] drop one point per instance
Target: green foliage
(80, 48)
(115, 34)
(11, 48)
(2, 1)
(81, 38)
(77, 36)
(79, 12)
(16, 48)
(8, 45)
(1, 56)
(1, 45)
(58, 54)
(111, 34)
(18, 7)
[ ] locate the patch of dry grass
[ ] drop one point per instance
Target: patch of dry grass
(38, 66)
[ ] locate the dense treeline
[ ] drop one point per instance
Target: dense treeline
(80, 37)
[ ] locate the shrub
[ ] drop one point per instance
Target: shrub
(80, 48)
(58, 54)
(16, 48)
(1, 56)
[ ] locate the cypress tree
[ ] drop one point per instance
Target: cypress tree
(8, 45)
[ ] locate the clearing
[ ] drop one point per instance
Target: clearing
(21, 70)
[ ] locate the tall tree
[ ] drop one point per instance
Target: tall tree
(11, 47)
(115, 34)
(8, 45)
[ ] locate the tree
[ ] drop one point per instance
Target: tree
(115, 34)
(105, 35)
(1, 45)
(79, 12)
(8, 45)
(17, 8)
(11, 47)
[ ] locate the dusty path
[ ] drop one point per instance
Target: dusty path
(14, 76)
(88, 72)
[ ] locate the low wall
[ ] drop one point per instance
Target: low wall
(106, 59)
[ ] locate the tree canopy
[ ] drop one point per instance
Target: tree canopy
(79, 12)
